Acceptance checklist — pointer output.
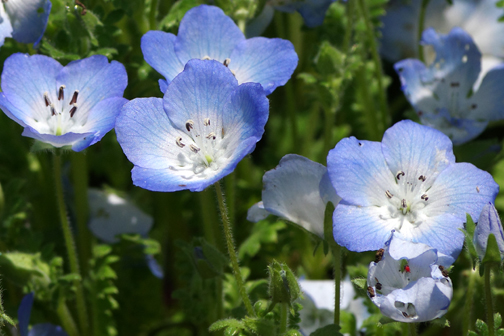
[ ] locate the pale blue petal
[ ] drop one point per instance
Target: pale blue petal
(205, 31)
(154, 266)
(417, 151)
(5, 25)
(488, 102)
(24, 313)
(163, 85)
(67, 139)
(159, 53)
(258, 25)
(269, 62)
(46, 329)
(399, 248)
(313, 11)
(488, 223)
(257, 212)
(7, 107)
(28, 19)
(359, 173)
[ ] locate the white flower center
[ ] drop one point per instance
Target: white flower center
(60, 116)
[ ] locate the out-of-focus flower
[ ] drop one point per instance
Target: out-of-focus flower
(409, 183)
(205, 124)
(298, 190)
(24, 20)
(42, 329)
(442, 93)
(488, 223)
(207, 33)
(73, 105)
(409, 284)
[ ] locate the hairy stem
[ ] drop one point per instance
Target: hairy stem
(469, 303)
(489, 301)
(283, 318)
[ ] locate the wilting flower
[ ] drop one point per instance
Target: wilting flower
(409, 183)
(207, 33)
(24, 20)
(442, 93)
(73, 105)
(488, 223)
(42, 329)
(408, 282)
(205, 124)
(298, 190)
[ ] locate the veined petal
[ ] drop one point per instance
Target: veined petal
(5, 25)
(488, 223)
(461, 188)
(269, 62)
(258, 25)
(24, 313)
(205, 31)
(313, 11)
(159, 53)
(257, 212)
(488, 102)
(359, 173)
(416, 150)
(28, 19)
(24, 80)
(67, 139)
(46, 329)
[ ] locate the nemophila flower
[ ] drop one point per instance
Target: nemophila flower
(298, 190)
(73, 105)
(205, 124)
(23, 20)
(206, 32)
(478, 17)
(408, 283)
(442, 93)
(409, 183)
(42, 329)
(488, 223)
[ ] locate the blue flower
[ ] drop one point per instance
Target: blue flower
(205, 124)
(488, 223)
(409, 182)
(24, 20)
(75, 105)
(442, 93)
(42, 329)
(408, 282)
(207, 33)
(298, 190)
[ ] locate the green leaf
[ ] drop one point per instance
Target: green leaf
(177, 12)
(228, 323)
(329, 59)
(70, 277)
(328, 330)
(57, 54)
(359, 282)
(262, 233)
(497, 320)
(283, 285)
(22, 268)
(109, 52)
(471, 249)
(481, 328)
(492, 254)
(348, 323)
(99, 251)
(5, 317)
(260, 326)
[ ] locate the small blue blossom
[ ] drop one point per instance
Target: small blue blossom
(207, 33)
(73, 105)
(409, 183)
(488, 223)
(408, 282)
(24, 20)
(205, 124)
(42, 329)
(298, 190)
(442, 93)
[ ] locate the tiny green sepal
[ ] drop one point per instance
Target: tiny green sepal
(328, 330)
(359, 282)
(232, 325)
(471, 249)
(283, 285)
(492, 253)
(469, 225)
(328, 223)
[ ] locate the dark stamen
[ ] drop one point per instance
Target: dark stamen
(61, 94)
(422, 178)
(399, 174)
(73, 110)
(389, 194)
(53, 111)
(74, 97)
(403, 203)
(46, 99)
(189, 125)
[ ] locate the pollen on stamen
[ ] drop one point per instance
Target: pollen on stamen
(206, 58)
(189, 125)
(53, 110)
(206, 121)
(403, 203)
(424, 197)
(389, 194)
(73, 110)
(399, 174)
(226, 62)
(422, 178)
(74, 98)
(211, 135)
(194, 149)
(46, 99)
(179, 142)
(477, 189)
(61, 93)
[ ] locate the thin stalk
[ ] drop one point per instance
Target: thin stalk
(350, 9)
(66, 318)
(313, 122)
(152, 14)
(70, 246)
(330, 120)
(242, 24)
(230, 185)
(421, 25)
(226, 226)
(370, 32)
(336, 251)
(80, 184)
(489, 302)
(283, 318)
(469, 303)
(412, 329)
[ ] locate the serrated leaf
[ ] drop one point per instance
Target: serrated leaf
(500, 332)
(492, 254)
(57, 54)
(70, 277)
(262, 233)
(260, 326)
(109, 52)
(177, 12)
(497, 320)
(99, 251)
(106, 272)
(359, 282)
(328, 330)
(228, 323)
(481, 327)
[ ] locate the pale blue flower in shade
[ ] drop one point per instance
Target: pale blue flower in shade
(205, 124)
(206, 32)
(409, 183)
(73, 105)
(408, 282)
(297, 190)
(24, 20)
(488, 223)
(442, 93)
(42, 329)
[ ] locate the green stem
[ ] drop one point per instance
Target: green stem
(80, 184)
(70, 246)
(66, 318)
(230, 185)
(242, 24)
(231, 250)
(152, 14)
(489, 301)
(469, 303)
(412, 329)
(336, 251)
(350, 9)
(283, 318)
(208, 217)
(370, 31)
(330, 119)
(421, 25)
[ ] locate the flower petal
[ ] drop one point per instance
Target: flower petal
(257, 212)
(314, 11)
(359, 173)
(205, 31)
(24, 313)
(159, 53)
(258, 25)
(488, 223)
(5, 26)
(46, 329)
(28, 18)
(416, 150)
(67, 139)
(488, 102)
(269, 62)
